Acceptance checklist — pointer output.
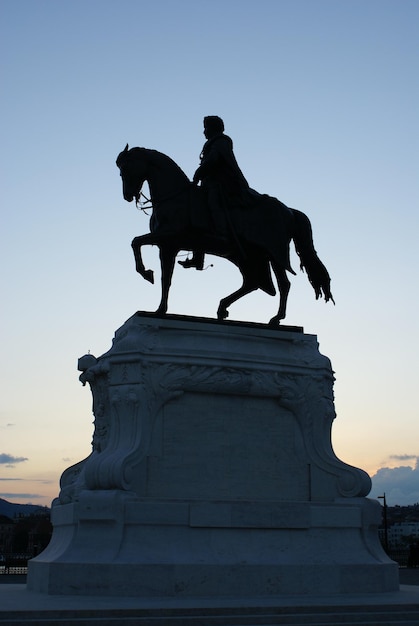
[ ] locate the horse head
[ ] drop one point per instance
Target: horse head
(133, 172)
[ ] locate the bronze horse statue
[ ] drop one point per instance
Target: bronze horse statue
(255, 239)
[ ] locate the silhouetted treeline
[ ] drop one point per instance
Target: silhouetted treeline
(25, 535)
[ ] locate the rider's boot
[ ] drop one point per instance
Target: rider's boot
(196, 261)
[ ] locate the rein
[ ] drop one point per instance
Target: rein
(141, 205)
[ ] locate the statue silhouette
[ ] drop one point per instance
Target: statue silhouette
(223, 217)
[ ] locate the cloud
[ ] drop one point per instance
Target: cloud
(43, 481)
(9, 459)
(400, 484)
(404, 457)
(6, 496)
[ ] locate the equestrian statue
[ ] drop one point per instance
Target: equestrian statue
(219, 214)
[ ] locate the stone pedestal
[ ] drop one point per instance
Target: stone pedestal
(212, 473)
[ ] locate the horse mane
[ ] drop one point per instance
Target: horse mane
(157, 157)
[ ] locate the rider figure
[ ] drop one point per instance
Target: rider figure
(221, 179)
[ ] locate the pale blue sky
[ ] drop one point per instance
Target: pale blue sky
(321, 100)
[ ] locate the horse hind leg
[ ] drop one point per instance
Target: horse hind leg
(246, 288)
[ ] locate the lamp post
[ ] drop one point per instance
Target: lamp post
(383, 498)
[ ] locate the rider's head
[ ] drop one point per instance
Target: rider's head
(213, 125)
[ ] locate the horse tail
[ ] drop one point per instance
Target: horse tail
(316, 272)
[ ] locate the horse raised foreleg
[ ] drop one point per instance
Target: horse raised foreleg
(283, 288)
(167, 262)
(136, 245)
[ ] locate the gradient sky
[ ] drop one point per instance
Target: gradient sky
(321, 100)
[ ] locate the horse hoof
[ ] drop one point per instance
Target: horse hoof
(274, 322)
(222, 314)
(149, 275)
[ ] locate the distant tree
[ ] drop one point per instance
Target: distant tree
(408, 540)
(20, 540)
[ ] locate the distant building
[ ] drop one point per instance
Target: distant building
(398, 533)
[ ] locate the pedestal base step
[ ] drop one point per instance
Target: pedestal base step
(325, 615)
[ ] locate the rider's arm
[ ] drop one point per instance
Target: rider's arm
(209, 162)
